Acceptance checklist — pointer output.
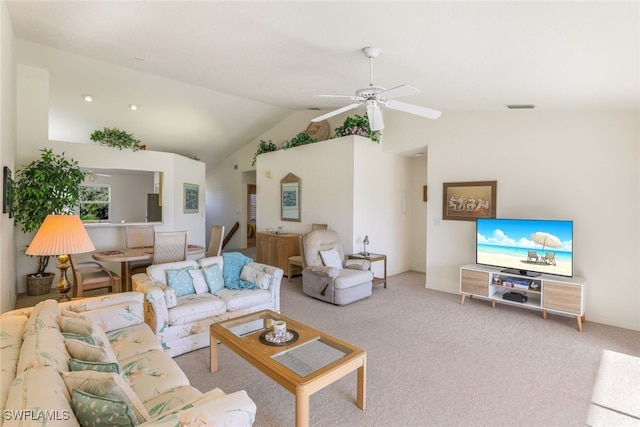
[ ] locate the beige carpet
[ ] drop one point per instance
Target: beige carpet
(432, 362)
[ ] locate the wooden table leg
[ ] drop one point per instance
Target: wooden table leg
(213, 351)
(544, 314)
(125, 272)
(362, 385)
(462, 300)
(385, 272)
(302, 408)
(579, 320)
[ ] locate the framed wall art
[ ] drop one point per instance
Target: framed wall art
(290, 187)
(467, 201)
(7, 191)
(191, 198)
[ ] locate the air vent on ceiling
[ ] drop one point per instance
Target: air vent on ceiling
(521, 106)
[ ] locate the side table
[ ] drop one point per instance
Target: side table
(371, 257)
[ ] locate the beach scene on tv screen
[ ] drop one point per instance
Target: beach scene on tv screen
(533, 245)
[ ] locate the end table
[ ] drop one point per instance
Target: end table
(371, 257)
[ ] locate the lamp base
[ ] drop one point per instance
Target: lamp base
(63, 285)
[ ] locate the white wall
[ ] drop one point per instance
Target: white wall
(227, 180)
(32, 136)
(417, 236)
(326, 173)
(348, 183)
(581, 166)
(8, 290)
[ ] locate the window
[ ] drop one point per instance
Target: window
(95, 202)
(252, 207)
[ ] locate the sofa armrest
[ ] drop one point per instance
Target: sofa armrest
(276, 280)
(234, 409)
(111, 311)
(156, 312)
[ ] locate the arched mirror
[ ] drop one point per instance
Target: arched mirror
(290, 198)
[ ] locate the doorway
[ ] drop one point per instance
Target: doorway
(251, 215)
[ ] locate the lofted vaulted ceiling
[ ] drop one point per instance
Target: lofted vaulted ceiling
(209, 76)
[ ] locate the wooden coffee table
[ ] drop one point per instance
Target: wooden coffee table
(310, 363)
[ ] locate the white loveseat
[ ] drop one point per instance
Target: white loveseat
(182, 322)
(49, 374)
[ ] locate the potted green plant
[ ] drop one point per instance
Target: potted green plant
(357, 125)
(113, 137)
(300, 139)
(49, 185)
(263, 147)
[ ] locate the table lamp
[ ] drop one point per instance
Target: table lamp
(365, 242)
(61, 235)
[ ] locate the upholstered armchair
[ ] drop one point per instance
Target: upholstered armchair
(327, 276)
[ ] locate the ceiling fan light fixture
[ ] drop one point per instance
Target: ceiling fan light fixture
(375, 116)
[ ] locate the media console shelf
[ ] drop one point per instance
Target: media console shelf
(564, 295)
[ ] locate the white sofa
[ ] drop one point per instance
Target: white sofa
(52, 379)
(182, 322)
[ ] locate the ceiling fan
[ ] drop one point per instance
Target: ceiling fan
(373, 95)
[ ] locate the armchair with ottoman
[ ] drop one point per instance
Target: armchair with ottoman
(327, 275)
(94, 361)
(183, 299)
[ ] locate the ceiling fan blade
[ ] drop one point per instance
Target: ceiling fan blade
(336, 112)
(351, 97)
(397, 92)
(413, 109)
(375, 116)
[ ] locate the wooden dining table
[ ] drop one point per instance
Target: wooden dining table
(125, 256)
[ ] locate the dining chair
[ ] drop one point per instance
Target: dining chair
(139, 236)
(169, 246)
(91, 275)
(215, 241)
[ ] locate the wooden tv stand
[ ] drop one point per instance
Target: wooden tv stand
(563, 295)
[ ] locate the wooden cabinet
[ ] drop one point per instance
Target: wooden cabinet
(564, 295)
(275, 249)
(474, 282)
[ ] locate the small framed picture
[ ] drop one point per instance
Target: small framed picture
(467, 201)
(7, 188)
(191, 198)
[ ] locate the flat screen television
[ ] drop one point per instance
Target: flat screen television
(526, 246)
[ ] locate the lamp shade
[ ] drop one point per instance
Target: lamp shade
(61, 234)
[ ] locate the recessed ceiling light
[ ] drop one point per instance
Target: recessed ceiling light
(521, 106)
(133, 107)
(87, 98)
